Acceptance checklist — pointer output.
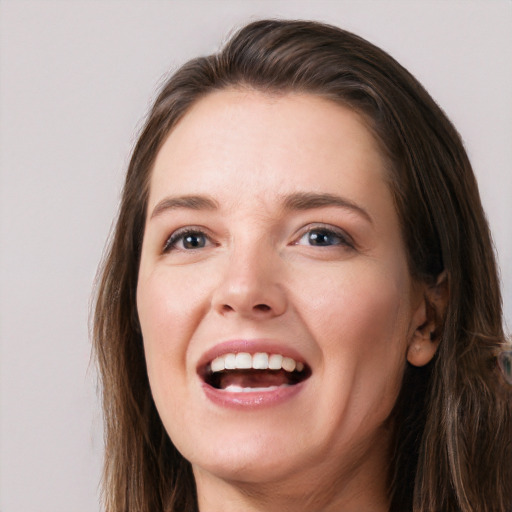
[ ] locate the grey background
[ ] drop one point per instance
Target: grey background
(76, 78)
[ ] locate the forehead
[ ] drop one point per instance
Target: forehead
(262, 143)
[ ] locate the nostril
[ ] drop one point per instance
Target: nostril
(245, 309)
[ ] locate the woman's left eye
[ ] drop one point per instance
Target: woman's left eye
(323, 237)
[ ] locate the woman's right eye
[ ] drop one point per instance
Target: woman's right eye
(187, 239)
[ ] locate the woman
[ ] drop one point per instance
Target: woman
(300, 308)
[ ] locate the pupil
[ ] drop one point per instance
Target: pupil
(193, 241)
(320, 238)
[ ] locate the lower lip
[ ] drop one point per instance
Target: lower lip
(252, 400)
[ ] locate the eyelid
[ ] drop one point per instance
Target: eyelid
(346, 239)
(176, 235)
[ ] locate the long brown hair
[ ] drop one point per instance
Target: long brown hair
(452, 449)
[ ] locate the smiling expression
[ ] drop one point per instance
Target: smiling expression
(271, 230)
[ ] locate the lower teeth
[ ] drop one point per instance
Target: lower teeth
(233, 388)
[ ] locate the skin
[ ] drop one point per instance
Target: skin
(348, 306)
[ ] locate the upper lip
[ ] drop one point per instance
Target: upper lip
(250, 346)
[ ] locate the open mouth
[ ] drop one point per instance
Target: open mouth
(244, 373)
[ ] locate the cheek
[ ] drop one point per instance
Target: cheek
(364, 303)
(360, 319)
(167, 319)
(168, 302)
(169, 310)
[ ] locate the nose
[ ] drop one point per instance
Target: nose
(251, 286)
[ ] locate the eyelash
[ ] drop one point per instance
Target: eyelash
(180, 235)
(344, 239)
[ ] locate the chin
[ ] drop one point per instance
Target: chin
(247, 468)
(257, 458)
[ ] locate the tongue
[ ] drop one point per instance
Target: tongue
(254, 378)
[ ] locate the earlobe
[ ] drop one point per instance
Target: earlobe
(421, 351)
(428, 322)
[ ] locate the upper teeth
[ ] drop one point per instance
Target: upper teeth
(258, 361)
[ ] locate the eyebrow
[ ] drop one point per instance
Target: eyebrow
(311, 200)
(296, 201)
(187, 202)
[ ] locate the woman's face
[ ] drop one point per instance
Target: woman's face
(272, 240)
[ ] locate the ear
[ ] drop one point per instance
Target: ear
(427, 322)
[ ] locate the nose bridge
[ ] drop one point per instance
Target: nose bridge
(250, 283)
